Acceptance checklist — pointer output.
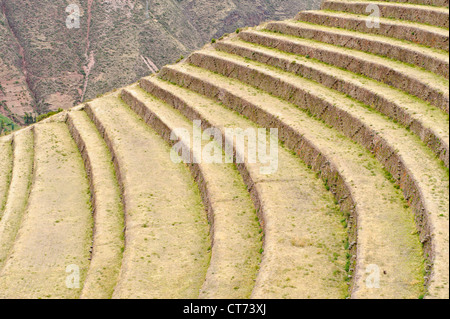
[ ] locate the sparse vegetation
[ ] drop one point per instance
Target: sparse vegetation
(6, 125)
(47, 115)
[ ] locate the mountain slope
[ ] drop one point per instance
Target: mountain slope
(44, 65)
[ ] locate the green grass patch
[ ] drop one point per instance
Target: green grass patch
(7, 125)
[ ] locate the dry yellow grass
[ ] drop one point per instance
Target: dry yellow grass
(236, 239)
(167, 237)
(385, 227)
(57, 226)
(19, 191)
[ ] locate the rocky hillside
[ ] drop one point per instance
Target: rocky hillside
(45, 65)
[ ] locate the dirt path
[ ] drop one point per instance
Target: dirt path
(89, 55)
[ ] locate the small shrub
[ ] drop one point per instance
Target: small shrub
(47, 115)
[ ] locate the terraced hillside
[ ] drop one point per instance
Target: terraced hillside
(95, 202)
